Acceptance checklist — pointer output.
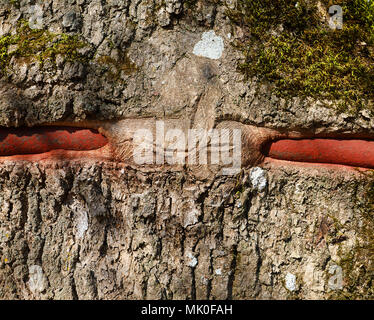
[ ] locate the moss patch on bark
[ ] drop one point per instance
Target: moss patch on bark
(290, 44)
(39, 45)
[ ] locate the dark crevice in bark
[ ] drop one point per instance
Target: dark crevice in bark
(193, 286)
(164, 295)
(201, 201)
(93, 284)
(104, 246)
(74, 289)
(230, 282)
(159, 248)
(257, 286)
(145, 288)
(220, 218)
(182, 240)
(209, 281)
(67, 185)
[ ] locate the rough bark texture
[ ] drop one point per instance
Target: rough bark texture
(101, 231)
(105, 230)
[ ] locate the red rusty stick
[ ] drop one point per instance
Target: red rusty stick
(357, 153)
(18, 141)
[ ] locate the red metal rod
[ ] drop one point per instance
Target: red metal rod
(18, 141)
(357, 153)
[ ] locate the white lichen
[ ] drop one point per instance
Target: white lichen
(258, 178)
(192, 260)
(210, 46)
(290, 281)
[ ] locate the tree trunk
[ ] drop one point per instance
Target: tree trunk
(100, 227)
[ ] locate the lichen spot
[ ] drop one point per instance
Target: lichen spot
(290, 281)
(210, 46)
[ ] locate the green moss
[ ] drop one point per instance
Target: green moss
(5, 42)
(39, 45)
(189, 4)
(118, 66)
(289, 46)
